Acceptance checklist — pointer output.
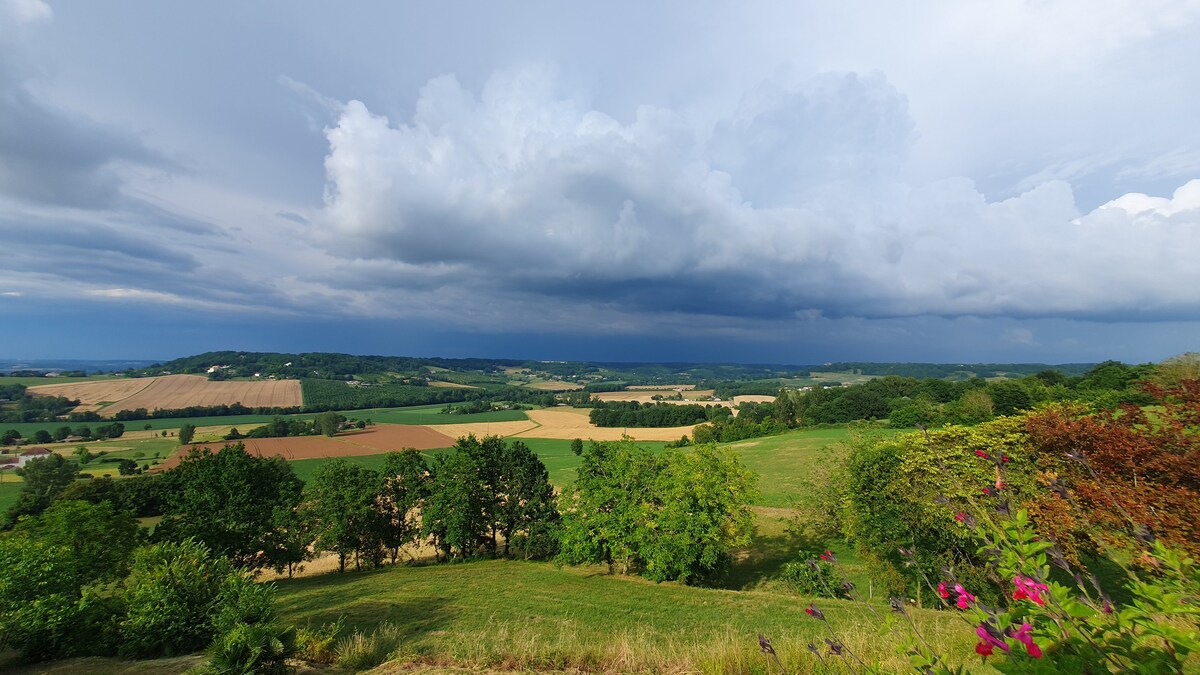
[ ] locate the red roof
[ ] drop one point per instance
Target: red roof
(35, 452)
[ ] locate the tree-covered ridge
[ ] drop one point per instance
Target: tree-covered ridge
(333, 366)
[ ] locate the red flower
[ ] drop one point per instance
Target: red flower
(960, 516)
(987, 641)
(964, 598)
(980, 453)
(987, 491)
(1028, 589)
(943, 592)
(1022, 635)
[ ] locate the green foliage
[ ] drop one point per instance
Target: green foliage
(318, 645)
(228, 500)
(328, 423)
(101, 539)
(40, 608)
(251, 649)
(44, 479)
(674, 516)
(172, 593)
(402, 492)
(335, 395)
(457, 514)
(808, 575)
(635, 414)
(341, 504)
(186, 432)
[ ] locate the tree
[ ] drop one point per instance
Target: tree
(458, 510)
(526, 513)
(128, 467)
(44, 479)
(404, 476)
(674, 516)
(227, 500)
(11, 436)
(101, 538)
(341, 501)
(186, 432)
(328, 423)
(42, 436)
(61, 433)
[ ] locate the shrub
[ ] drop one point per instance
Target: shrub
(172, 593)
(318, 645)
(261, 648)
(808, 575)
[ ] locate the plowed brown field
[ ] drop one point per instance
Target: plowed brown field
(371, 441)
(175, 391)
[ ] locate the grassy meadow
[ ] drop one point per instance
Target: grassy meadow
(527, 616)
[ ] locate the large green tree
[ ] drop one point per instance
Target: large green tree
(341, 501)
(674, 516)
(227, 500)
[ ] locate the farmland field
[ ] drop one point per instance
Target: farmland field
(173, 392)
(370, 441)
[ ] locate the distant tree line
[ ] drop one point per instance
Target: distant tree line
(25, 407)
(635, 414)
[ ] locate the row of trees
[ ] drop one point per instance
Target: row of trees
(635, 414)
(99, 433)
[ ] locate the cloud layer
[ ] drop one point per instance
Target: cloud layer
(791, 205)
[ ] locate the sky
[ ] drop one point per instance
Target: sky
(762, 182)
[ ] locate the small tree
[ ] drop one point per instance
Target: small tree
(186, 432)
(404, 489)
(328, 423)
(101, 539)
(44, 478)
(341, 500)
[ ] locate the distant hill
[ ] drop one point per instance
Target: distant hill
(92, 366)
(335, 366)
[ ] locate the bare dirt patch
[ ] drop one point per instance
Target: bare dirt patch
(370, 441)
(570, 423)
(176, 391)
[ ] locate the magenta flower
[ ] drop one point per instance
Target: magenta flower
(942, 591)
(987, 641)
(1022, 635)
(964, 598)
(1028, 589)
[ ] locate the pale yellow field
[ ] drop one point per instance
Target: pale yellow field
(554, 385)
(176, 391)
(752, 398)
(660, 387)
(450, 385)
(485, 428)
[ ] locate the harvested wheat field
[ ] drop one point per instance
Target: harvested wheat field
(569, 423)
(647, 395)
(175, 391)
(94, 395)
(371, 441)
(482, 429)
(660, 387)
(752, 398)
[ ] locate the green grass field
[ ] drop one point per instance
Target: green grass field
(39, 381)
(526, 616)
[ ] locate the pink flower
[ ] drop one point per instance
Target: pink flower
(964, 598)
(980, 453)
(943, 592)
(960, 516)
(1022, 635)
(987, 491)
(827, 555)
(987, 641)
(1028, 589)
